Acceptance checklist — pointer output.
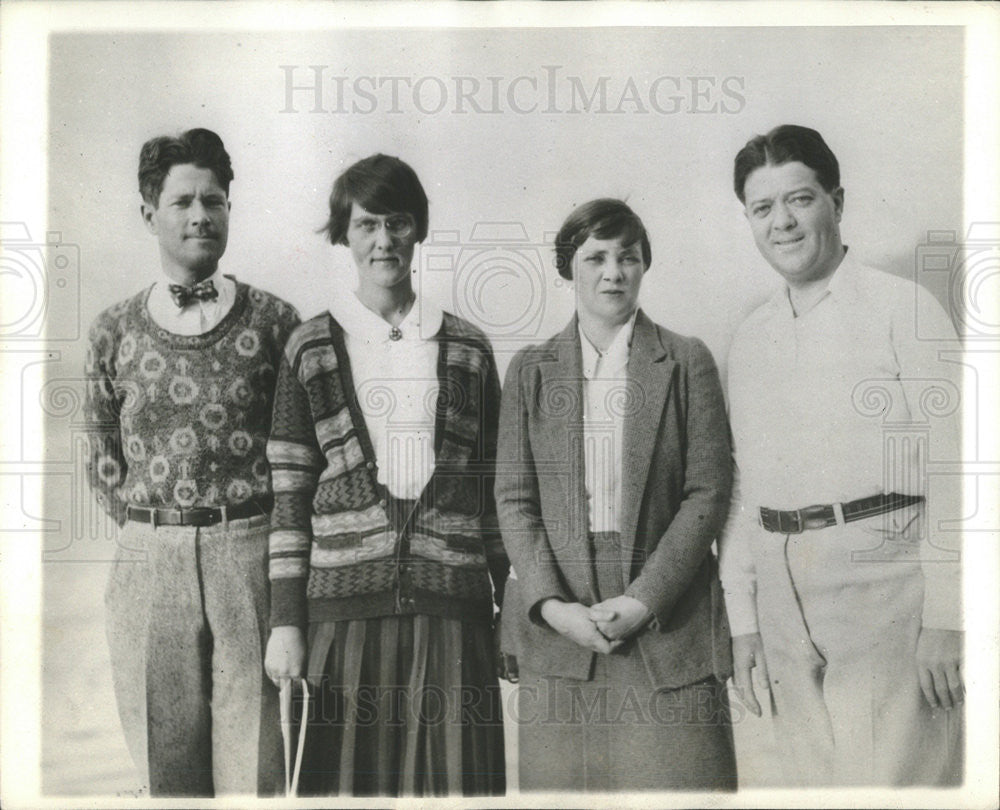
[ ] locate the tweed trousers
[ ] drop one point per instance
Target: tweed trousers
(187, 616)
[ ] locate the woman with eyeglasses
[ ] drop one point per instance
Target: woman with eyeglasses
(613, 479)
(385, 557)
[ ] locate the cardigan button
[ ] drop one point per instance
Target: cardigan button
(370, 465)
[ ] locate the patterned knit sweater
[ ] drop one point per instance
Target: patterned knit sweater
(333, 555)
(182, 421)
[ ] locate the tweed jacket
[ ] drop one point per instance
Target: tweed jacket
(333, 552)
(676, 481)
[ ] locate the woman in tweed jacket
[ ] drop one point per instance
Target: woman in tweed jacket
(613, 479)
(384, 548)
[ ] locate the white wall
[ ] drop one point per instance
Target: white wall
(897, 131)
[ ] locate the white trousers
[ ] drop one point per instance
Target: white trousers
(840, 613)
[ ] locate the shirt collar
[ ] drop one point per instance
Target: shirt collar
(840, 285)
(843, 282)
(422, 322)
(615, 358)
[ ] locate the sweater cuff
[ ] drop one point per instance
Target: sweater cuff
(288, 602)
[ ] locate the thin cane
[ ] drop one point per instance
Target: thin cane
(302, 737)
(285, 711)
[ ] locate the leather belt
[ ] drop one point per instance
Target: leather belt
(821, 516)
(200, 515)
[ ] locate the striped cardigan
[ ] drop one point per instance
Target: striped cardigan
(333, 555)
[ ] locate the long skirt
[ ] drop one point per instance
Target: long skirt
(615, 731)
(404, 705)
(618, 734)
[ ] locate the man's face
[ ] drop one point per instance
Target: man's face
(191, 222)
(607, 276)
(795, 223)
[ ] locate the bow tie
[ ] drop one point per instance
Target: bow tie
(203, 291)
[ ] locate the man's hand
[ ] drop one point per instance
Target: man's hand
(748, 654)
(286, 654)
(619, 617)
(572, 620)
(939, 667)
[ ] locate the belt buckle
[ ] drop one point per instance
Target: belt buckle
(813, 517)
(796, 527)
(199, 516)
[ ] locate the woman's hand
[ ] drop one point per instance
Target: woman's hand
(571, 619)
(504, 663)
(619, 617)
(286, 654)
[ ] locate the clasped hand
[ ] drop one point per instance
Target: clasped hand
(602, 627)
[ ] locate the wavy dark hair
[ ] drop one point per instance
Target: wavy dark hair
(786, 144)
(202, 147)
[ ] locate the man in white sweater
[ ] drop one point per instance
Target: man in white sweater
(842, 580)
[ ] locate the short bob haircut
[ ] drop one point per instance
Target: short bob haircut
(787, 144)
(380, 184)
(158, 156)
(604, 218)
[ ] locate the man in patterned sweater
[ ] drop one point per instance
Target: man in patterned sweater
(180, 380)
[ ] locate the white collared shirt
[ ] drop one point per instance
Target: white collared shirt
(197, 317)
(605, 376)
(397, 386)
(844, 401)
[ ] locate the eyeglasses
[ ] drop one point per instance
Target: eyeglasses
(396, 225)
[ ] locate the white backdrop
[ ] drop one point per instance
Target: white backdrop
(560, 116)
(550, 117)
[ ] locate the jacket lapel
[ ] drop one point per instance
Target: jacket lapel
(649, 374)
(561, 405)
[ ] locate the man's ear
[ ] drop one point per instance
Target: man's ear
(838, 202)
(147, 210)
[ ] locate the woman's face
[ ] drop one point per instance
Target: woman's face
(382, 246)
(607, 276)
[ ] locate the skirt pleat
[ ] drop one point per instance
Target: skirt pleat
(404, 705)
